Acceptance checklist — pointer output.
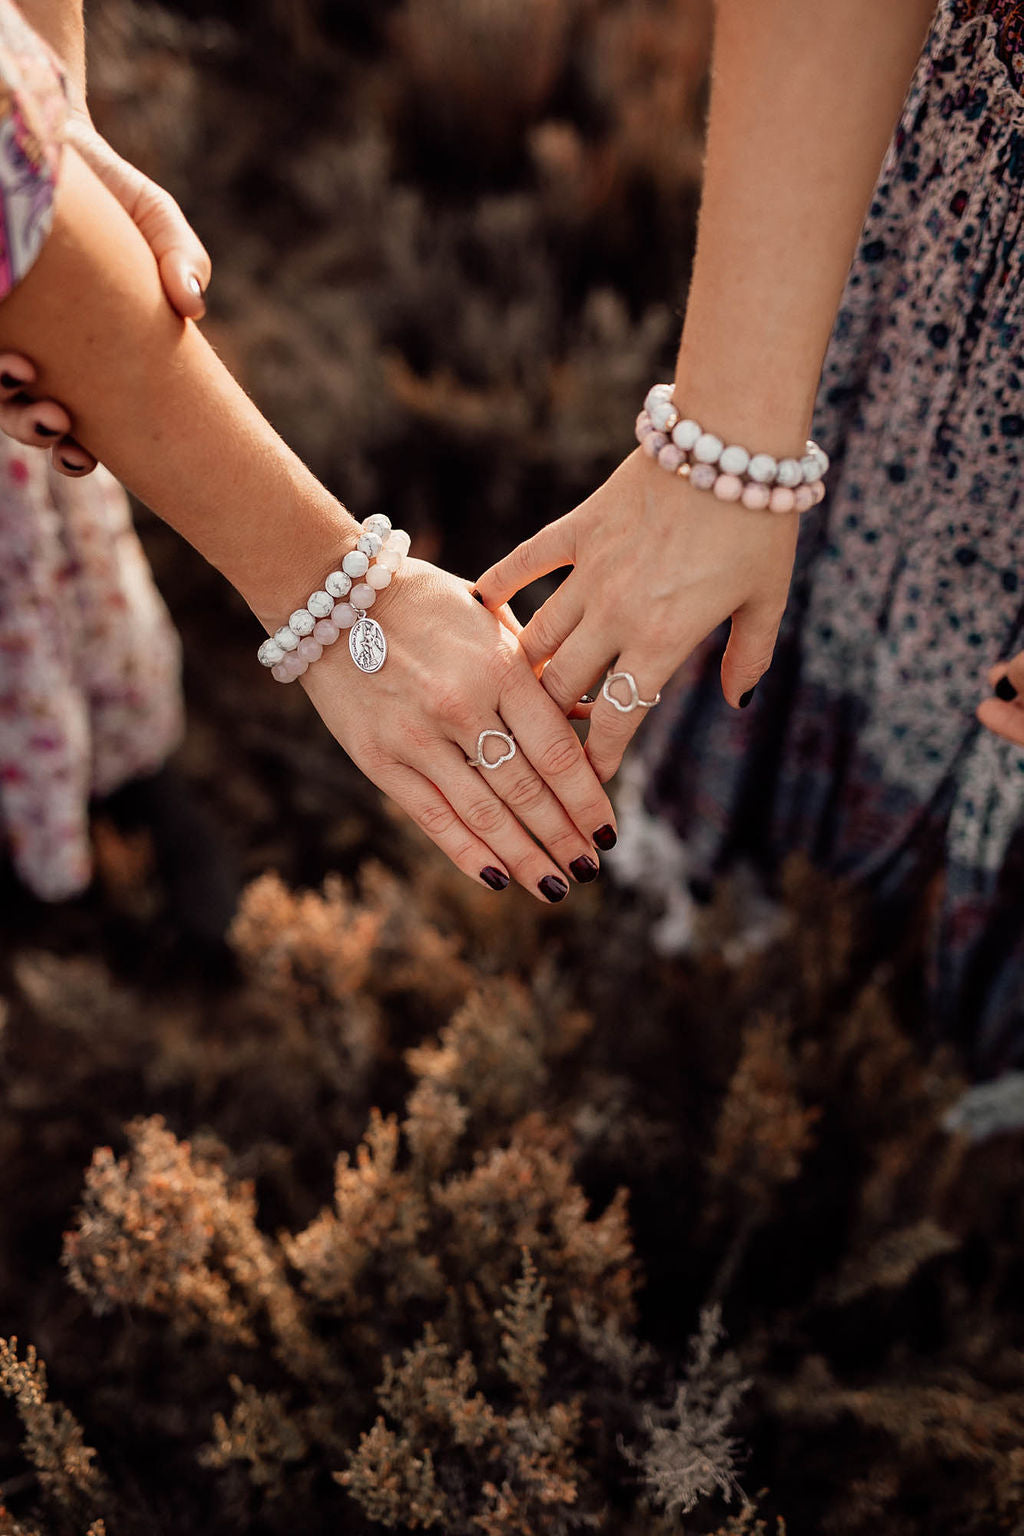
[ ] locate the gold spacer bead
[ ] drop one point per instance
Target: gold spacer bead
(683, 471)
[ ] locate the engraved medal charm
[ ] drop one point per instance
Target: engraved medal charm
(367, 644)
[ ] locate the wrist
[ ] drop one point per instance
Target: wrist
(284, 567)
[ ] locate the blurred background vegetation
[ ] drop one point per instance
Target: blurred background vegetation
(411, 1209)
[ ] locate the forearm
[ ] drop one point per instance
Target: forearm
(805, 94)
(61, 24)
(150, 398)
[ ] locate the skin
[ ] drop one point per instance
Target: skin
(805, 94)
(174, 426)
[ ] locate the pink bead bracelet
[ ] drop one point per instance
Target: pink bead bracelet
(757, 480)
(341, 604)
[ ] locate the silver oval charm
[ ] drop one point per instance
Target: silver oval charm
(367, 644)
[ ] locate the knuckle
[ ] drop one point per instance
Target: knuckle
(435, 818)
(560, 755)
(484, 816)
(525, 792)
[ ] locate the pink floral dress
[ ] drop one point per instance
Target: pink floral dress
(89, 660)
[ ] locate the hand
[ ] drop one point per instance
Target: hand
(656, 567)
(184, 270)
(1004, 712)
(454, 670)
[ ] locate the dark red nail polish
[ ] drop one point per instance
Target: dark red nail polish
(605, 837)
(1005, 690)
(584, 870)
(10, 382)
(745, 698)
(68, 465)
(553, 888)
(475, 594)
(46, 431)
(495, 878)
(588, 698)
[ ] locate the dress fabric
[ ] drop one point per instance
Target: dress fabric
(89, 660)
(861, 747)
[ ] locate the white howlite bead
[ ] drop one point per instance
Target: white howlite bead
(819, 454)
(708, 448)
(320, 605)
(338, 584)
(789, 473)
(811, 468)
(762, 468)
(286, 638)
(371, 545)
(301, 622)
(686, 433)
(379, 524)
(355, 563)
(663, 414)
(656, 395)
(734, 460)
(270, 653)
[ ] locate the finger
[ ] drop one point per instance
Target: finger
(549, 743)
(1005, 719)
(71, 459)
(552, 547)
(611, 728)
(1006, 678)
(39, 424)
(433, 814)
(479, 796)
(579, 662)
(16, 374)
(504, 614)
(553, 622)
(748, 655)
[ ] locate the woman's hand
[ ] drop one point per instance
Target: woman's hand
(452, 671)
(1004, 712)
(656, 567)
(184, 271)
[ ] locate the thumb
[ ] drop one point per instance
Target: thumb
(748, 655)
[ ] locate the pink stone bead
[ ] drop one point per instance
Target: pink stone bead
(310, 649)
(653, 443)
(292, 667)
(280, 673)
(389, 560)
(344, 615)
(819, 491)
(782, 499)
(362, 596)
(755, 496)
(644, 426)
(378, 577)
(727, 487)
(702, 476)
(326, 631)
(803, 498)
(671, 457)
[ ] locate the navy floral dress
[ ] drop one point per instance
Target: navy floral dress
(861, 747)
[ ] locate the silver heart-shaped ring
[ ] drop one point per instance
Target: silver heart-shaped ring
(480, 760)
(635, 701)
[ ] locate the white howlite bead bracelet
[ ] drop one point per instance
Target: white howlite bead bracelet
(729, 471)
(341, 604)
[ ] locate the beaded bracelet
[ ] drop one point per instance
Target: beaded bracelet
(341, 604)
(731, 473)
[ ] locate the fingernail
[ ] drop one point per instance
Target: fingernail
(70, 464)
(553, 888)
(196, 286)
(10, 382)
(745, 698)
(605, 837)
(495, 878)
(584, 870)
(46, 431)
(1005, 690)
(588, 698)
(476, 594)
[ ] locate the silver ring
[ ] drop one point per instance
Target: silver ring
(635, 701)
(506, 757)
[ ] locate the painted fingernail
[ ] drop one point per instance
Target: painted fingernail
(553, 888)
(46, 431)
(70, 464)
(475, 594)
(9, 381)
(584, 870)
(1005, 690)
(588, 698)
(605, 837)
(745, 698)
(495, 878)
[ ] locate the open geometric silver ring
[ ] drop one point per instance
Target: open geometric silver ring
(635, 701)
(480, 760)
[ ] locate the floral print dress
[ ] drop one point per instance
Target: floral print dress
(89, 660)
(861, 747)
